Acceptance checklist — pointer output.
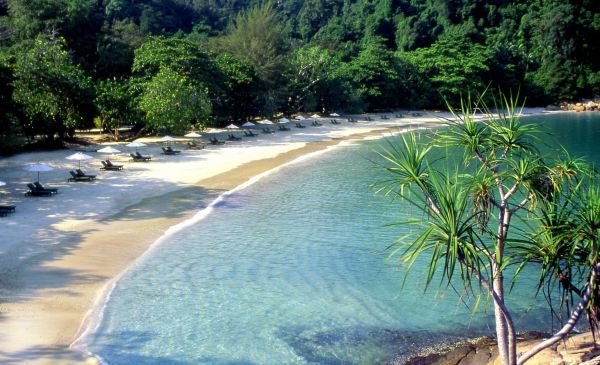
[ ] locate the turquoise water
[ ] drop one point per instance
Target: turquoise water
(292, 270)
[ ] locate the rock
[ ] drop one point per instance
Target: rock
(590, 105)
(579, 107)
(553, 108)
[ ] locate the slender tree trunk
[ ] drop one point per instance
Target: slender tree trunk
(501, 330)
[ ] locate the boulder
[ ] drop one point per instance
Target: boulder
(590, 105)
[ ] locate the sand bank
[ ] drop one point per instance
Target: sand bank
(58, 254)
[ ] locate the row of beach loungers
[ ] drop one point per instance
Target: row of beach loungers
(37, 190)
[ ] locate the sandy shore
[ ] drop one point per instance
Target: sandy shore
(58, 255)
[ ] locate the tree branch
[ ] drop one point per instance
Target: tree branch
(568, 327)
(564, 331)
(521, 204)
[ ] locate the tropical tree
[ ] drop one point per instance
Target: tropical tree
(259, 36)
(241, 95)
(115, 106)
(471, 203)
(448, 67)
(375, 75)
(172, 103)
(311, 68)
(55, 93)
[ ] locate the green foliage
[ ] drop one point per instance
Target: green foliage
(311, 70)
(55, 94)
(114, 104)
(179, 55)
(173, 103)
(258, 35)
(369, 54)
(451, 67)
(375, 74)
(502, 175)
(242, 91)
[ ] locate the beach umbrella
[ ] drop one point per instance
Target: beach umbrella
(167, 139)
(299, 117)
(232, 126)
(265, 121)
(334, 115)
(315, 116)
(192, 135)
(38, 168)
(108, 149)
(135, 144)
(284, 120)
(79, 157)
(248, 124)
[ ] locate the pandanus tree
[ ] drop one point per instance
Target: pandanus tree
(492, 202)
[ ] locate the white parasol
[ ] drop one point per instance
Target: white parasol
(38, 168)
(79, 157)
(284, 120)
(315, 116)
(136, 144)
(167, 139)
(299, 117)
(193, 135)
(108, 149)
(265, 121)
(334, 115)
(248, 124)
(232, 126)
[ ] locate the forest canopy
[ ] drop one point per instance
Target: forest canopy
(67, 64)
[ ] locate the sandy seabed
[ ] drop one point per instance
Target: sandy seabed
(59, 254)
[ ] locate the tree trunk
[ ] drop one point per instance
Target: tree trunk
(501, 330)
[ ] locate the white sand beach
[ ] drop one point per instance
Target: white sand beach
(59, 253)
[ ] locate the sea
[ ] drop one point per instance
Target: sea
(294, 268)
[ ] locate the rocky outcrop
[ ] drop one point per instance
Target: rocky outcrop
(585, 105)
(577, 349)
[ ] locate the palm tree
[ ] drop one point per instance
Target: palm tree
(469, 209)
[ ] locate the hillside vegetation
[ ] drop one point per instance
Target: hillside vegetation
(165, 65)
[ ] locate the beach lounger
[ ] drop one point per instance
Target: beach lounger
(316, 124)
(6, 210)
(108, 166)
(399, 116)
(76, 178)
(139, 155)
(35, 190)
(351, 120)
(284, 128)
(299, 125)
(231, 137)
(81, 173)
(267, 131)
(169, 151)
(384, 117)
(215, 141)
(194, 146)
(139, 158)
(250, 134)
(368, 119)
(41, 187)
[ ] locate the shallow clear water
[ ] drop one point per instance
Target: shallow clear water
(292, 270)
